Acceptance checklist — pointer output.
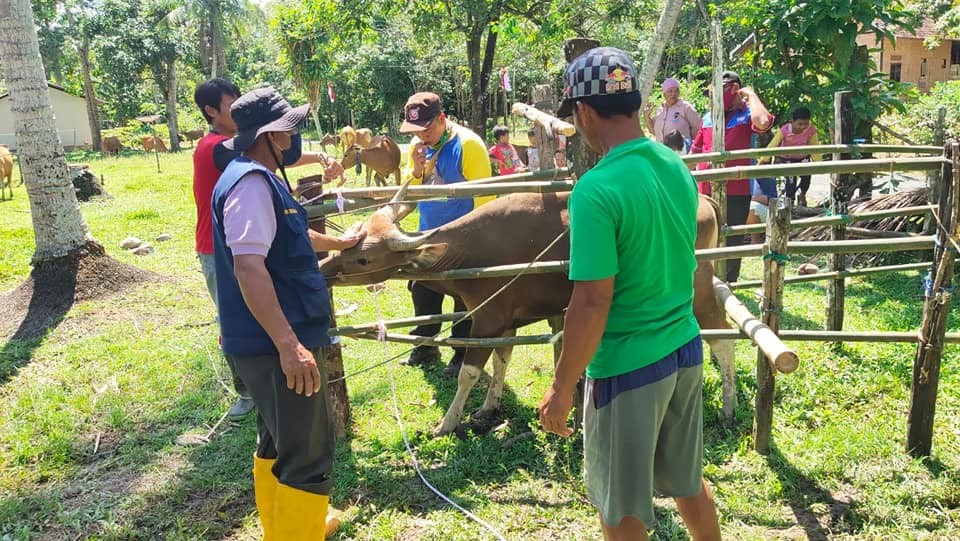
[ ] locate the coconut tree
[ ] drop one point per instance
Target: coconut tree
(58, 227)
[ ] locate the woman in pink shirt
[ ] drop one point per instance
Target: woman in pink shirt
(674, 114)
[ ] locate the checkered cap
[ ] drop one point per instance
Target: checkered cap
(601, 71)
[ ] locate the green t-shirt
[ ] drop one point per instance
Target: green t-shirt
(634, 216)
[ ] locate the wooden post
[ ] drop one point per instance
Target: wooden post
(556, 325)
(333, 354)
(936, 307)
(577, 150)
(546, 140)
(840, 191)
(774, 264)
(935, 179)
(718, 189)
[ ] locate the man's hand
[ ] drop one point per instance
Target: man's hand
(648, 109)
(554, 410)
(332, 169)
(298, 364)
(350, 237)
(419, 159)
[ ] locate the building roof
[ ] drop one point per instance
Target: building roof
(49, 85)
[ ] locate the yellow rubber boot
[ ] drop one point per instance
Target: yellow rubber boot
(264, 490)
(299, 515)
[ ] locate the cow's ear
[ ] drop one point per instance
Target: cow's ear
(426, 255)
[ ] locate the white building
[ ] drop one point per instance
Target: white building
(69, 111)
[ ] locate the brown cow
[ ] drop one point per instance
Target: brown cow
(348, 137)
(192, 135)
(488, 237)
(329, 139)
(110, 145)
(151, 143)
(382, 156)
(6, 172)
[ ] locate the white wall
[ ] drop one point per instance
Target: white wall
(71, 116)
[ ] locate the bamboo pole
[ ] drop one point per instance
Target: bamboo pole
(831, 336)
(746, 284)
(864, 233)
(493, 342)
(348, 330)
(834, 220)
(557, 126)
(771, 306)
(883, 165)
(775, 354)
(936, 308)
(853, 149)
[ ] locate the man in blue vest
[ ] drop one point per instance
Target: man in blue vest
(274, 314)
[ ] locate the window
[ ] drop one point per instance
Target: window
(895, 70)
(923, 68)
(955, 52)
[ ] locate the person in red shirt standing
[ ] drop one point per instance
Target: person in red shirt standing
(744, 115)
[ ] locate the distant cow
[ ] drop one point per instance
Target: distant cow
(152, 142)
(192, 135)
(111, 145)
(348, 136)
(364, 137)
(6, 172)
(329, 139)
(382, 156)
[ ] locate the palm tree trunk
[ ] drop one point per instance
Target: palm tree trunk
(170, 96)
(58, 227)
(661, 34)
(93, 113)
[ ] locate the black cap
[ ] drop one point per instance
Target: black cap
(730, 77)
(601, 71)
(262, 111)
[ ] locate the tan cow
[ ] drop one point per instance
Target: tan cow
(381, 156)
(110, 145)
(329, 139)
(364, 137)
(6, 172)
(348, 137)
(151, 142)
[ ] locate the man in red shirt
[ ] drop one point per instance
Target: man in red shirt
(745, 115)
(210, 158)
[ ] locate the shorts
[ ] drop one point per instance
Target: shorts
(760, 210)
(643, 434)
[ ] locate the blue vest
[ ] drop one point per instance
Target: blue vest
(449, 169)
(291, 261)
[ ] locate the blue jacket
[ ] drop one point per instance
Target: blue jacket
(291, 262)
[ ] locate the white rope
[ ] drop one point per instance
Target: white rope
(403, 430)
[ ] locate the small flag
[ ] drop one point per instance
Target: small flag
(505, 80)
(330, 93)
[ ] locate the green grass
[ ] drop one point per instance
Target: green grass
(91, 414)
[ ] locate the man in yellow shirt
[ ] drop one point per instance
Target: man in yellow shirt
(441, 152)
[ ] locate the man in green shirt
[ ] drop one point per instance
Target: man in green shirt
(630, 322)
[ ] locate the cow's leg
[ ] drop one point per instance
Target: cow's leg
(469, 375)
(368, 176)
(722, 351)
(501, 358)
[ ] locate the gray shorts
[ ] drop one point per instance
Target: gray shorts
(208, 265)
(760, 210)
(643, 434)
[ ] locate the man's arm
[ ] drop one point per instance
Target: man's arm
(582, 330)
(322, 242)
(258, 292)
(759, 116)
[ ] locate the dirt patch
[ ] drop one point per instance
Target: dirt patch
(53, 287)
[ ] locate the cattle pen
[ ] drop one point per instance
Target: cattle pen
(763, 330)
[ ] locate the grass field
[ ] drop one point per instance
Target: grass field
(99, 419)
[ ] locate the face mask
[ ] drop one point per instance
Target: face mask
(729, 98)
(292, 154)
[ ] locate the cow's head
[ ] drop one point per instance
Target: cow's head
(384, 251)
(351, 158)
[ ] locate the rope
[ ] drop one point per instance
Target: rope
(381, 337)
(776, 256)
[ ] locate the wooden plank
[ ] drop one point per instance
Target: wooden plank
(498, 341)
(853, 149)
(882, 165)
(831, 275)
(834, 220)
(832, 336)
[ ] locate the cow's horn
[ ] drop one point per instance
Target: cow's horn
(395, 210)
(404, 243)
